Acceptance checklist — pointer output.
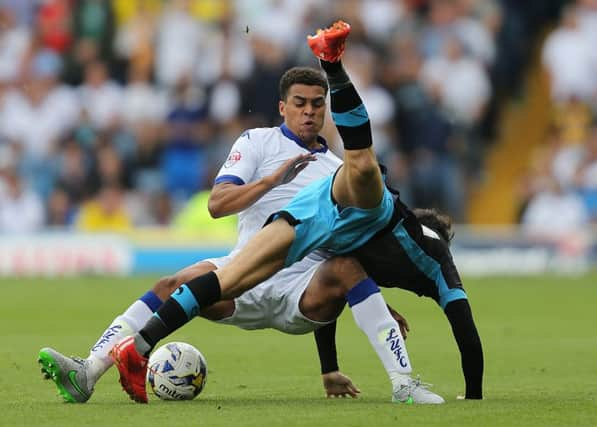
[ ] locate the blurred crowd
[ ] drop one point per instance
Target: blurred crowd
(559, 194)
(115, 113)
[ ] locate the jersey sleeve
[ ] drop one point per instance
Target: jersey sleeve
(242, 162)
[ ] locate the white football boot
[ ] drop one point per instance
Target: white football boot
(415, 392)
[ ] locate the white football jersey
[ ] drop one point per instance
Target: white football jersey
(257, 153)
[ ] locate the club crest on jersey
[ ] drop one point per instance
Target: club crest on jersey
(232, 159)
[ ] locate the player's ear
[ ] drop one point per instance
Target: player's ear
(282, 108)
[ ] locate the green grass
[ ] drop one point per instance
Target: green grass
(538, 334)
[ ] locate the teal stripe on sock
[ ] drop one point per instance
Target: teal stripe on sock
(185, 298)
(353, 118)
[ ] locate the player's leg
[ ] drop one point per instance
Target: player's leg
(79, 387)
(359, 182)
(324, 298)
(416, 257)
(263, 256)
(342, 279)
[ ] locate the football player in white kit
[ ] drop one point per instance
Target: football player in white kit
(256, 180)
(266, 167)
(337, 214)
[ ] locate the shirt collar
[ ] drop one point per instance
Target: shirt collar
(289, 134)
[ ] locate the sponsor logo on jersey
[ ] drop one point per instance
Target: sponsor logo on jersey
(232, 159)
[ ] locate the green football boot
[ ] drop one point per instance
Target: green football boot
(68, 373)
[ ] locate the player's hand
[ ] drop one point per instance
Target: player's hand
(337, 384)
(290, 169)
(404, 328)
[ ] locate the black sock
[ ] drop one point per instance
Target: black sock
(336, 75)
(180, 308)
(348, 111)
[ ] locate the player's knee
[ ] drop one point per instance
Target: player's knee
(364, 169)
(165, 286)
(341, 274)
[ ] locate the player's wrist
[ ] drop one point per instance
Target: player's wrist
(329, 367)
(268, 182)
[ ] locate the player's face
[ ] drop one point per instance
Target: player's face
(304, 111)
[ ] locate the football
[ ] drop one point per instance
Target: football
(177, 371)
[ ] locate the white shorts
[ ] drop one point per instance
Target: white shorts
(274, 303)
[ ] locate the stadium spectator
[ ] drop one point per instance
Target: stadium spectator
(105, 212)
(555, 212)
(54, 25)
(477, 26)
(147, 176)
(36, 117)
(231, 54)
(142, 103)
(24, 11)
(260, 90)
(567, 177)
(109, 167)
(569, 58)
(551, 204)
(21, 209)
(459, 82)
(424, 136)
(60, 212)
(73, 171)
(585, 175)
(14, 45)
(176, 44)
(101, 97)
(134, 38)
(94, 20)
(573, 118)
(187, 131)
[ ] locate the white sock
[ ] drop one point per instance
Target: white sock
(133, 319)
(373, 317)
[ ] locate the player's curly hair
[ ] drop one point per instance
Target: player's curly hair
(301, 75)
(440, 223)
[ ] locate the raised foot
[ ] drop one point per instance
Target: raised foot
(329, 44)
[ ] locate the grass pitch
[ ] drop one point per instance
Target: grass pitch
(538, 335)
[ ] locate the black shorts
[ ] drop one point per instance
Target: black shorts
(408, 257)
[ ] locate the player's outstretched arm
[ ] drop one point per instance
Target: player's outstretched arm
(228, 198)
(469, 343)
(335, 383)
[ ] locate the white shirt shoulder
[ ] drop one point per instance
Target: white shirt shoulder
(258, 153)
